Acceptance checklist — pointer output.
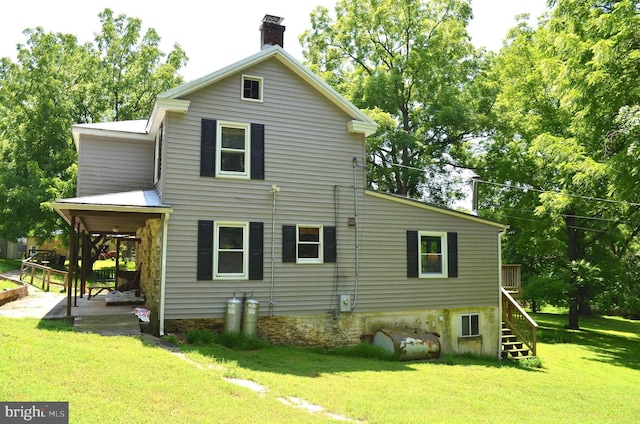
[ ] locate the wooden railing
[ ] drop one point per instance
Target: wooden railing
(511, 280)
(41, 272)
(519, 321)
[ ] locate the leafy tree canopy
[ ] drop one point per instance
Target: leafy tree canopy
(54, 83)
(562, 153)
(411, 64)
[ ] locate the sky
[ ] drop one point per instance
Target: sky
(216, 33)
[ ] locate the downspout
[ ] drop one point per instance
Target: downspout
(500, 234)
(163, 271)
(274, 190)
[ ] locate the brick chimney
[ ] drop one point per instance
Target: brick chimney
(271, 31)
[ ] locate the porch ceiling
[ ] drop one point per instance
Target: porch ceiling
(113, 212)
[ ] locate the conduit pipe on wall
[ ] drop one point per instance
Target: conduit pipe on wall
(274, 189)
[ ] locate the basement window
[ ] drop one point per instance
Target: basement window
(470, 326)
(251, 88)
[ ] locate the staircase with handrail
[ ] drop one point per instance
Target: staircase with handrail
(519, 330)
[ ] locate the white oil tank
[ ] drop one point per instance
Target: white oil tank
(233, 316)
(251, 312)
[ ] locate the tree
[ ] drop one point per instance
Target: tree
(411, 64)
(558, 145)
(56, 83)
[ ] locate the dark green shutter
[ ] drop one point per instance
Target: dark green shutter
(256, 250)
(208, 148)
(257, 151)
(330, 244)
(288, 243)
(412, 254)
(452, 254)
(205, 250)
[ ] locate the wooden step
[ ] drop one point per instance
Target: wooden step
(517, 353)
(512, 345)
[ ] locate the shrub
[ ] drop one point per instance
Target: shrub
(530, 363)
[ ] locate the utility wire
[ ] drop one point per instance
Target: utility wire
(525, 189)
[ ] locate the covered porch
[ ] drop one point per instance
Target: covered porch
(136, 216)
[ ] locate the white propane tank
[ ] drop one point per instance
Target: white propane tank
(233, 316)
(250, 325)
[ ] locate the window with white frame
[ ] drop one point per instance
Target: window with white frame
(432, 257)
(469, 324)
(251, 88)
(233, 149)
(309, 244)
(157, 172)
(231, 246)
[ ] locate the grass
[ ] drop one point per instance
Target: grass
(9, 265)
(7, 284)
(587, 376)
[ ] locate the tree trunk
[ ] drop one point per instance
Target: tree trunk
(573, 315)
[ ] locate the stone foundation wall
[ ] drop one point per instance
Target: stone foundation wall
(346, 329)
(148, 256)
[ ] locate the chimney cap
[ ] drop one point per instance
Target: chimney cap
(272, 19)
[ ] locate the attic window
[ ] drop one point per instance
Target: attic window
(251, 88)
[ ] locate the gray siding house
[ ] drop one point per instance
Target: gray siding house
(250, 182)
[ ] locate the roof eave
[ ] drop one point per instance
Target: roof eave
(451, 212)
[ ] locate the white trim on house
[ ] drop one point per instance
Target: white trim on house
(439, 209)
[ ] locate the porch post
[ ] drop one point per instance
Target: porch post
(72, 261)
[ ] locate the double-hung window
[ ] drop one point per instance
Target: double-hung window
(469, 324)
(232, 149)
(233, 155)
(230, 250)
(432, 254)
(309, 242)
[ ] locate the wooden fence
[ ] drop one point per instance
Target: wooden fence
(41, 272)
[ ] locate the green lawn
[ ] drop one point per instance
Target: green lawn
(6, 284)
(9, 264)
(587, 376)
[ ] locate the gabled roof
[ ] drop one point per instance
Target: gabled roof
(363, 123)
(435, 208)
(172, 100)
